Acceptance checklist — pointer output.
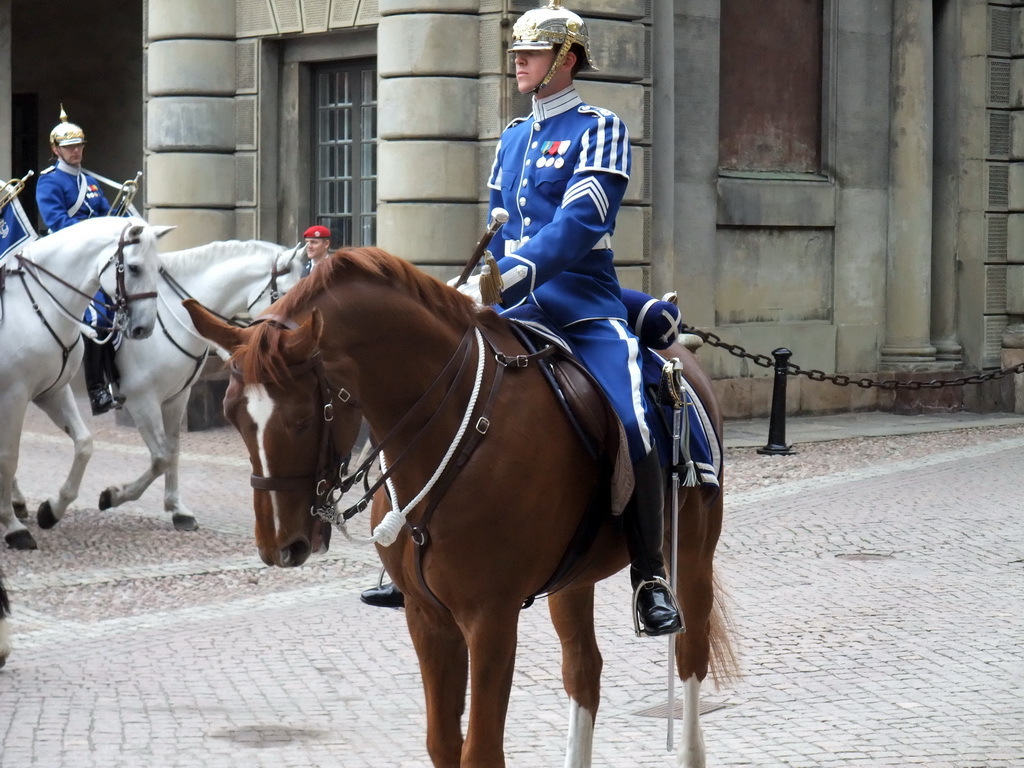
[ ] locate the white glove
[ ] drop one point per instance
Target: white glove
(469, 288)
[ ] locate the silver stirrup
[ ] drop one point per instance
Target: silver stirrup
(642, 631)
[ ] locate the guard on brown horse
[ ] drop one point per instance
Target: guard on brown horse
(561, 174)
(486, 486)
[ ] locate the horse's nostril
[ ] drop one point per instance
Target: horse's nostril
(295, 554)
(136, 333)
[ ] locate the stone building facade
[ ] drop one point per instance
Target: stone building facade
(841, 178)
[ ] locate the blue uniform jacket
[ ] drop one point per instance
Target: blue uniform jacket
(57, 192)
(561, 174)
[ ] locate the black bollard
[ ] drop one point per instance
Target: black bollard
(777, 426)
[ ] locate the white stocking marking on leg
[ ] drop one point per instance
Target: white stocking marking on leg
(581, 737)
(691, 745)
(5, 639)
(260, 407)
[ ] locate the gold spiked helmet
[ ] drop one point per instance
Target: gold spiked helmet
(552, 27)
(64, 134)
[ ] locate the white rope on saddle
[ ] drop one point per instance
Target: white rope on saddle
(388, 529)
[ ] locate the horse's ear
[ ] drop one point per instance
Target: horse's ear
(303, 342)
(212, 327)
(161, 229)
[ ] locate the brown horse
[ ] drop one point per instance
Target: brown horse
(420, 361)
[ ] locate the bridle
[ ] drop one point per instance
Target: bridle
(122, 299)
(275, 272)
(328, 455)
(331, 484)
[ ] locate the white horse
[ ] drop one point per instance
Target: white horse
(48, 287)
(157, 374)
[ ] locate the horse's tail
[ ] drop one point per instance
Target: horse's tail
(725, 665)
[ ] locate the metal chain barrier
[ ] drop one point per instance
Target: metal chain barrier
(765, 361)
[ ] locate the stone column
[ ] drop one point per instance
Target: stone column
(190, 120)
(663, 139)
(908, 276)
(950, 96)
(5, 88)
(428, 171)
(697, 101)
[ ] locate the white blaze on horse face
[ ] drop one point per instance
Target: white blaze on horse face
(579, 748)
(260, 407)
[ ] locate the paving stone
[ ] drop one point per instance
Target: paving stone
(877, 607)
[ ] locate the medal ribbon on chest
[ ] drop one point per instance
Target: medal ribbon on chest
(551, 153)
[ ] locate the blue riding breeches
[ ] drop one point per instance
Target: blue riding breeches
(612, 355)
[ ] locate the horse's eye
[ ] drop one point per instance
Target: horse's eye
(133, 270)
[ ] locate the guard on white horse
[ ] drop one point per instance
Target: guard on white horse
(231, 278)
(67, 195)
(48, 286)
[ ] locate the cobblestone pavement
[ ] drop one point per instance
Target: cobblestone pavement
(877, 605)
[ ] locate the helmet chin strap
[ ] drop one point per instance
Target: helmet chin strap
(563, 51)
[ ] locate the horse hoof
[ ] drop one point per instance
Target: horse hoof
(20, 540)
(184, 522)
(20, 511)
(45, 516)
(106, 500)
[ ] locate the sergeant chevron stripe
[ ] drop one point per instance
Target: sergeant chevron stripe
(588, 187)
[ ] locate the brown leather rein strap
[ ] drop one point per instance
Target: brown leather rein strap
(328, 456)
(331, 484)
(122, 297)
(362, 471)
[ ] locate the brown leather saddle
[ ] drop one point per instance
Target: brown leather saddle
(601, 433)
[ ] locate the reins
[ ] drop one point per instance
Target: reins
(275, 272)
(330, 486)
(182, 294)
(121, 297)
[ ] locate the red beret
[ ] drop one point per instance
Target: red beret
(318, 232)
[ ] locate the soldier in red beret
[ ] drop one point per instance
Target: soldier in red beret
(318, 244)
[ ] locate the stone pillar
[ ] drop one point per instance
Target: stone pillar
(190, 120)
(949, 97)
(5, 88)
(909, 272)
(695, 267)
(429, 177)
(663, 149)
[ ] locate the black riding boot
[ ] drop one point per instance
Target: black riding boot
(644, 525)
(94, 367)
(383, 595)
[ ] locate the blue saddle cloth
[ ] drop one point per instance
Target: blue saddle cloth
(704, 441)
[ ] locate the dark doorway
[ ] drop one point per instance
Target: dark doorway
(24, 147)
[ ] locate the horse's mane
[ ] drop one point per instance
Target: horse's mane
(260, 361)
(201, 255)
